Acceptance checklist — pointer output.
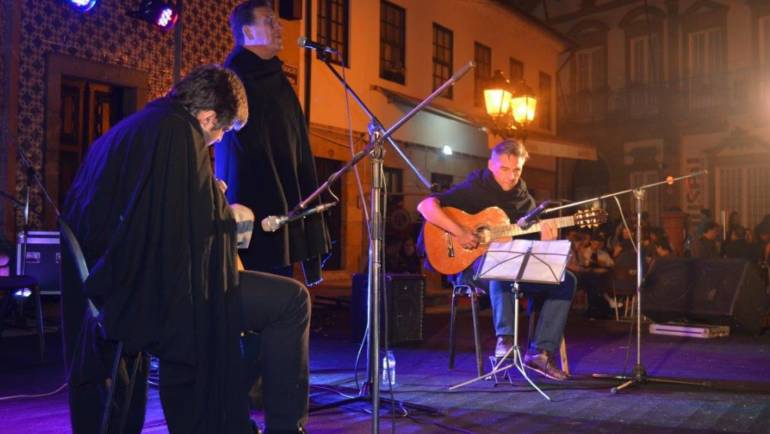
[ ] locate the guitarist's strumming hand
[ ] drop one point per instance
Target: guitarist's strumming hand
(467, 238)
(548, 230)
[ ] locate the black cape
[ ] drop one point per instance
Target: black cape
(159, 240)
(269, 167)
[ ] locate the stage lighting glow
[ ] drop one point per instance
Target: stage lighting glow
(447, 150)
(167, 17)
(22, 293)
(83, 5)
(162, 13)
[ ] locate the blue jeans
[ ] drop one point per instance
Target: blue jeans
(553, 314)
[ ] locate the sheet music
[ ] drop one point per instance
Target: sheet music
(547, 262)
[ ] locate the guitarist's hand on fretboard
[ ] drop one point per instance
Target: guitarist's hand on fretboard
(548, 230)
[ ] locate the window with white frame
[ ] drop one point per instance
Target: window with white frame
(706, 58)
(744, 189)
(764, 40)
(644, 59)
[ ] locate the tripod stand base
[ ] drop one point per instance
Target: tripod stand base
(639, 376)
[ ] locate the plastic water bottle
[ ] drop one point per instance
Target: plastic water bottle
(388, 369)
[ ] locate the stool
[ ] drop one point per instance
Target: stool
(12, 284)
(473, 293)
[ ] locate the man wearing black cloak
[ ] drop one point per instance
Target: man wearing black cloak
(268, 165)
(158, 237)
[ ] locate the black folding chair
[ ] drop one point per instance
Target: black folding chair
(92, 312)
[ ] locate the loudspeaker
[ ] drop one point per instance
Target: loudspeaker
(290, 9)
(405, 307)
(730, 291)
(714, 291)
(667, 289)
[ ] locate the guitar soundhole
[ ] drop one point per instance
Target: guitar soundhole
(484, 233)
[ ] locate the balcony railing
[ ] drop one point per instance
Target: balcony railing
(739, 91)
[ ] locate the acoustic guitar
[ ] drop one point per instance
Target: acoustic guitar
(448, 256)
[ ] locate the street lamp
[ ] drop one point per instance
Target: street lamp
(510, 107)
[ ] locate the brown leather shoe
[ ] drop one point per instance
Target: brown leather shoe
(543, 364)
(504, 344)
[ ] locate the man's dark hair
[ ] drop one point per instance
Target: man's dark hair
(213, 87)
(710, 225)
(510, 147)
(243, 15)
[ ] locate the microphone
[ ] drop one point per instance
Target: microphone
(272, 223)
(529, 218)
(304, 42)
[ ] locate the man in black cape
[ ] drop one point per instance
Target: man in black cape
(159, 240)
(268, 165)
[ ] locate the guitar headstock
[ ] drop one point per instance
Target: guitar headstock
(590, 218)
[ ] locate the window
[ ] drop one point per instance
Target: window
(706, 63)
(764, 40)
(644, 59)
(392, 42)
(333, 28)
(442, 57)
(589, 69)
(443, 181)
(516, 72)
(589, 80)
(744, 189)
(706, 57)
(483, 58)
(544, 101)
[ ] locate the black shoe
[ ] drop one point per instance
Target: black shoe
(543, 364)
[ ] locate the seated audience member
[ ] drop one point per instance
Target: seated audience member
(592, 267)
(737, 246)
(706, 246)
(663, 248)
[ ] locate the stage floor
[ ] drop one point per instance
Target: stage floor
(738, 399)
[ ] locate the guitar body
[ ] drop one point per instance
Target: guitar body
(446, 254)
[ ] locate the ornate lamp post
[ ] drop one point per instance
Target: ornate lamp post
(510, 107)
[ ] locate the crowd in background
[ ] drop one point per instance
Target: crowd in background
(605, 258)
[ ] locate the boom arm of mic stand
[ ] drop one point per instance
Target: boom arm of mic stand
(386, 135)
(622, 192)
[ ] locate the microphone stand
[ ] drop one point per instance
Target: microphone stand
(639, 375)
(378, 134)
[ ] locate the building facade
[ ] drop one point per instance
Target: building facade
(68, 76)
(670, 88)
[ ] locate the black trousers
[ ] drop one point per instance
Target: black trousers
(276, 307)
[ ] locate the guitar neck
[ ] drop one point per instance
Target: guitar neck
(515, 231)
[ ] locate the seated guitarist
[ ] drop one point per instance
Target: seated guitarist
(500, 185)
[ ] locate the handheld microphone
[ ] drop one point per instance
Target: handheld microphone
(529, 218)
(272, 223)
(304, 42)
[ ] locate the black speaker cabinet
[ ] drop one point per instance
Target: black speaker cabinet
(716, 291)
(405, 307)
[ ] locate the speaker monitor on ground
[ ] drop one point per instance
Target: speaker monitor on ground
(405, 293)
(713, 291)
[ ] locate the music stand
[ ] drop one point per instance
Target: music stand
(521, 261)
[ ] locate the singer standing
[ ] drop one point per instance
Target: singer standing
(501, 185)
(268, 165)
